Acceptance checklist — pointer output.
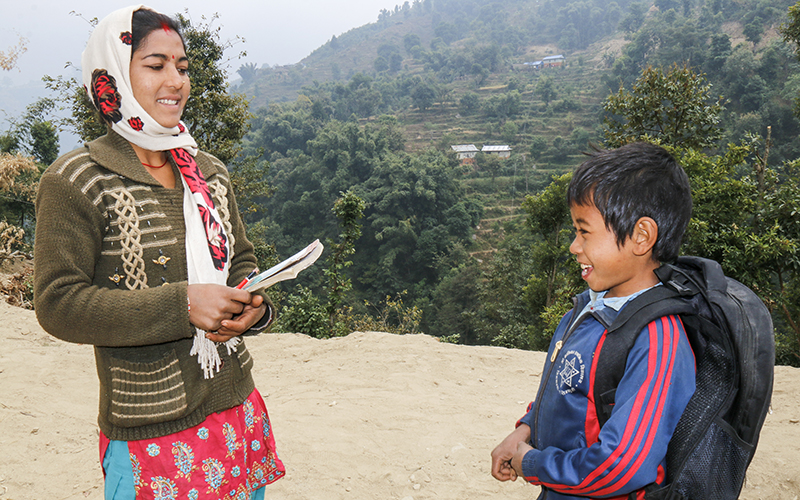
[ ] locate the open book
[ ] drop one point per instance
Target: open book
(286, 270)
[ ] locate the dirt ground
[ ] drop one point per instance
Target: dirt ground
(362, 417)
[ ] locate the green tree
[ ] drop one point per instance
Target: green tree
(745, 216)
(719, 51)
(411, 222)
(303, 312)
(791, 28)
(791, 34)
(411, 40)
(395, 62)
(9, 143)
(753, 31)
(423, 95)
(381, 64)
(489, 163)
(503, 105)
(509, 131)
(216, 118)
(538, 146)
(44, 142)
(248, 175)
(635, 17)
(34, 132)
(673, 107)
(546, 89)
(455, 305)
(665, 5)
(348, 209)
(469, 103)
(540, 269)
(248, 72)
(506, 319)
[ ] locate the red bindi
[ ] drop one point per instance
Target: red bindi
(165, 27)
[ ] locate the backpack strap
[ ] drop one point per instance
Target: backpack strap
(622, 334)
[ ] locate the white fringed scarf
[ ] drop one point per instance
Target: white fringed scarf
(106, 77)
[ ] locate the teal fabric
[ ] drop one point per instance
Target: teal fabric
(119, 472)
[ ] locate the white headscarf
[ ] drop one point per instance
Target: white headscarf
(105, 66)
(106, 76)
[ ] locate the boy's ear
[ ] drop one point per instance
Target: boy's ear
(644, 236)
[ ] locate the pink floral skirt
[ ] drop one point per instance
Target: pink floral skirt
(228, 456)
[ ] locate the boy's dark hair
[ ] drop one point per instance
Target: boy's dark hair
(145, 21)
(634, 181)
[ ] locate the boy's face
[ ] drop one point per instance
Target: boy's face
(604, 265)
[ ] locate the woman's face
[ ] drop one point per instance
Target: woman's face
(159, 76)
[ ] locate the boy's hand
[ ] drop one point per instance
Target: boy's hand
(516, 462)
(505, 451)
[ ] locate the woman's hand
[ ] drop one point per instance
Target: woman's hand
(239, 324)
(212, 304)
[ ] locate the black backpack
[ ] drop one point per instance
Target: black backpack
(731, 333)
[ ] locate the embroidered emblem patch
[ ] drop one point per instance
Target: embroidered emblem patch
(571, 371)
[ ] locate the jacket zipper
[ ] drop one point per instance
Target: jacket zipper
(544, 380)
(559, 345)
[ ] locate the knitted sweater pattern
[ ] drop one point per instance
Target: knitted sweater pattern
(110, 271)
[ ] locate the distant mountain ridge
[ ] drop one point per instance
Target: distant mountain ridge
(521, 28)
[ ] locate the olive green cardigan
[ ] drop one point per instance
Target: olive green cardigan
(110, 270)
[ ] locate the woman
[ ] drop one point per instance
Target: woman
(139, 247)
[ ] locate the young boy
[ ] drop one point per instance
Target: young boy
(630, 207)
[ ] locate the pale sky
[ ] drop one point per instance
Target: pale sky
(276, 32)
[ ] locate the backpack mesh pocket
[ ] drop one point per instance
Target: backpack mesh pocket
(722, 453)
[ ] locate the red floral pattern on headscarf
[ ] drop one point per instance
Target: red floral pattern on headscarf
(106, 97)
(126, 37)
(136, 123)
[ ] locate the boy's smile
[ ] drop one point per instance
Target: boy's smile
(622, 270)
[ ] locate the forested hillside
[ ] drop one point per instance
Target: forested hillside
(459, 251)
(353, 146)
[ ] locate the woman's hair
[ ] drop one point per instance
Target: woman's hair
(146, 21)
(634, 181)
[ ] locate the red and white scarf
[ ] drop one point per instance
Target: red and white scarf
(207, 250)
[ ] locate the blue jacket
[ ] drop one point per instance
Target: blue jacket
(572, 456)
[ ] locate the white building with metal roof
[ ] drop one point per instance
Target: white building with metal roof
(465, 152)
(503, 151)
